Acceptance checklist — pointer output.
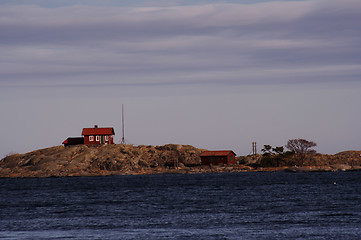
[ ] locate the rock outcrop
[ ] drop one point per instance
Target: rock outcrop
(347, 160)
(83, 160)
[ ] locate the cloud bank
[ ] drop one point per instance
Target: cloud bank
(219, 43)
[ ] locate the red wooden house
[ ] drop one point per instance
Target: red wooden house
(218, 157)
(97, 136)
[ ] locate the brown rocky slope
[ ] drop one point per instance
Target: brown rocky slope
(82, 160)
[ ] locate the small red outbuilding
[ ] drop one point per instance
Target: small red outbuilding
(218, 157)
(97, 136)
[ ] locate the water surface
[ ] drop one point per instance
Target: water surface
(262, 205)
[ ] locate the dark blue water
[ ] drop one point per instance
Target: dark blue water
(276, 205)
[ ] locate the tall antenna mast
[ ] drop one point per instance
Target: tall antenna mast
(123, 137)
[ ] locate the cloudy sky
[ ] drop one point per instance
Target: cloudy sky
(213, 74)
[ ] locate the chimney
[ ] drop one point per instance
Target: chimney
(95, 126)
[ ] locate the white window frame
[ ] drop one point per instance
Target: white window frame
(106, 138)
(97, 138)
(91, 138)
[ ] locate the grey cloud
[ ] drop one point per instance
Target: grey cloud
(180, 44)
(98, 23)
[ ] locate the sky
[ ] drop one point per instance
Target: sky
(212, 74)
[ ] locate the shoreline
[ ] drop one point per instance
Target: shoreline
(183, 170)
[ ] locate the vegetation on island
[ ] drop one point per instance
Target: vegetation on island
(299, 149)
(300, 155)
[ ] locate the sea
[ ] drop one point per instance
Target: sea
(250, 205)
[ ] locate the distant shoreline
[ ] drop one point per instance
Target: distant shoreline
(186, 170)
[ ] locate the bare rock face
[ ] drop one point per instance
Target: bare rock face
(343, 161)
(83, 160)
(116, 159)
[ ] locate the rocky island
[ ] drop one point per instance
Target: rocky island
(120, 159)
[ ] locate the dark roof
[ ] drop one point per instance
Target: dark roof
(216, 153)
(98, 131)
(74, 140)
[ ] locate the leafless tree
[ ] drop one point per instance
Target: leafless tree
(301, 148)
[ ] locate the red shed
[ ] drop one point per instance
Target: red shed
(97, 136)
(218, 157)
